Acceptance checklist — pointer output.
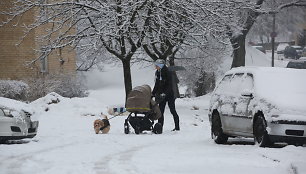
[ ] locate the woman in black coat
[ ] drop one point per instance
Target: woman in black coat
(166, 90)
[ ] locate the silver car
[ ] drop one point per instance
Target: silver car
(264, 103)
(15, 120)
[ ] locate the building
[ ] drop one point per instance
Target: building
(17, 53)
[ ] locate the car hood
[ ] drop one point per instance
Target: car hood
(289, 104)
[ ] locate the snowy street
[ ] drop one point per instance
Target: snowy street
(153, 87)
(66, 143)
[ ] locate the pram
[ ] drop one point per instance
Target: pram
(143, 111)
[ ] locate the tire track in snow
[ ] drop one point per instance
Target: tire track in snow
(121, 160)
(14, 163)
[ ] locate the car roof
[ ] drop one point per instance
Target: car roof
(253, 69)
(296, 46)
(14, 104)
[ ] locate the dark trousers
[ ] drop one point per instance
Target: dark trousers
(171, 104)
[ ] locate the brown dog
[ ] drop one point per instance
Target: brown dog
(102, 125)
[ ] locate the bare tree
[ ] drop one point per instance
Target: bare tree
(90, 25)
(288, 20)
(248, 19)
(235, 18)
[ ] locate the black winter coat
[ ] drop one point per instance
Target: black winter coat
(166, 82)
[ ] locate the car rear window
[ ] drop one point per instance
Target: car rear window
(297, 65)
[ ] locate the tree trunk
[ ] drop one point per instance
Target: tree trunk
(238, 44)
(127, 77)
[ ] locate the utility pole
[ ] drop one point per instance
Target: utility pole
(273, 35)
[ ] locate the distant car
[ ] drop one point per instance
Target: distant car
(298, 64)
(264, 103)
(304, 52)
(299, 50)
(281, 48)
(290, 52)
(260, 48)
(15, 120)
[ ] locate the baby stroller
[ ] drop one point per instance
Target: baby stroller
(143, 111)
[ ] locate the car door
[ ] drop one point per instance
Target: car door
(242, 114)
(228, 106)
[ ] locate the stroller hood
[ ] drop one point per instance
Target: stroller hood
(139, 99)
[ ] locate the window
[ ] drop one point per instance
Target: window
(43, 64)
(223, 84)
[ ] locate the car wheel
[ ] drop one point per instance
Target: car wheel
(216, 130)
(260, 132)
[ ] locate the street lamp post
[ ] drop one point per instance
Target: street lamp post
(273, 35)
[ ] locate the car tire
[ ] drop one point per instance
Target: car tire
(216, 129)
(261, 136)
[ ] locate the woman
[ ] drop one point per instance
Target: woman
(166, 90)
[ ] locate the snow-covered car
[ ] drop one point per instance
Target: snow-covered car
(291, 52)
(15, 120)
(281, 48)
(264, 103)
(298, 49)
(298, 64)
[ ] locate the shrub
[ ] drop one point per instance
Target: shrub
(66, 85)
(13, 89)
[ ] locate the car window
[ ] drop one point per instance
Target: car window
(247, 82)
(223, 85)
(235, 85)
(1, 113)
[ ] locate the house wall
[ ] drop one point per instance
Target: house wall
(14, 59)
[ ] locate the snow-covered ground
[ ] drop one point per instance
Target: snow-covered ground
(66, 142)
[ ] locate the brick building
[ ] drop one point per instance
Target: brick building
(15, 58)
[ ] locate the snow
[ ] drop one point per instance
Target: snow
(66, 142)
(14, 105)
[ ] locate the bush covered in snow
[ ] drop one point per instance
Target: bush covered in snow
(66, 85)
(13, 89)
(63, 84)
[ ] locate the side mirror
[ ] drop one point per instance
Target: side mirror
(247, 93)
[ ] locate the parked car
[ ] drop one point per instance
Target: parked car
(281, 48)
(299, 50)
(15, 120)
(304, 52)
(298, 64)
(290, 52)
(264, 103)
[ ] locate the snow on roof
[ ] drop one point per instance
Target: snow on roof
(282, 46)
(285, 87)
(14, 105)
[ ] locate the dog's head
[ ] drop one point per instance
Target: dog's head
(98, 124)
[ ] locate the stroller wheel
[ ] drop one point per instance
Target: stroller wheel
(126, 127)
(137, 130)
(158, 128)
